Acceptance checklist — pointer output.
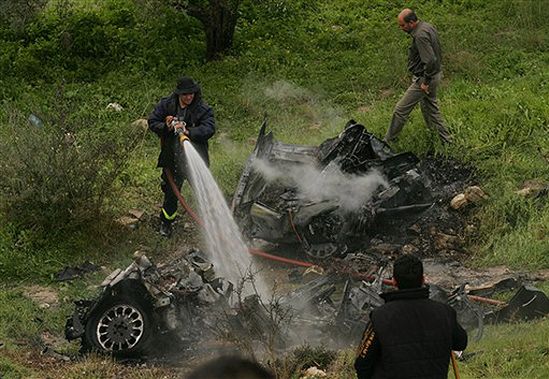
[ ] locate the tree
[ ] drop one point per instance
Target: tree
(16, 14)
(218, 18)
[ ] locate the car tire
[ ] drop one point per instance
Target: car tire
(119, 326)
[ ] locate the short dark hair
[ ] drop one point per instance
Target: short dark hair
(231, 367)
(409, 17)
(408, 271)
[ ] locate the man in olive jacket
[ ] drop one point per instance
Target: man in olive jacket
(425, 65)
(410, 336)
(183, 111)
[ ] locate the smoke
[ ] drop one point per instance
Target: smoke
(296, 107)
(349, 191)
(283, 91)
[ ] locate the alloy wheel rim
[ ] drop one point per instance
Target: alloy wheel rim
(120, 328)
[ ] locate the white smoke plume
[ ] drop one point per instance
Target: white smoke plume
(350, 191)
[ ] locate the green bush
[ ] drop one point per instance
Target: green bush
(15, 15)
(56, 177)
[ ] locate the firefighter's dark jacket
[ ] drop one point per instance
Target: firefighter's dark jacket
(200, 123)
(410, 336)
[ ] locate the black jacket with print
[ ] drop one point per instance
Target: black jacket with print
(410, 336)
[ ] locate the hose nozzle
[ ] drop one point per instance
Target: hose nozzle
(183, 137)
(179, 130)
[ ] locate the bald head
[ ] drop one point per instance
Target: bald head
(407, 20)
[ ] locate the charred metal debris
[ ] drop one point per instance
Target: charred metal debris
(183, 302)
(145, 309)
(408, 205)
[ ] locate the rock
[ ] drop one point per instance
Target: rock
(472, 194)
(131, 220)
(445, 241)
(313, 372)
(140, 123)
(115, 107)
(137, 213)
(475, 194)
(532, 188)
(459, 201)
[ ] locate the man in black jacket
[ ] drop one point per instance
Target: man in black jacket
(425, 65)
(410, 336)
(183, 111)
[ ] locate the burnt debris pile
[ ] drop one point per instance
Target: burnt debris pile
(351, 204)
(149, 311)
(143, 304)
(350, 193)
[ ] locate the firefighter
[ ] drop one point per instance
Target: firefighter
(185, 112)
(410, 336)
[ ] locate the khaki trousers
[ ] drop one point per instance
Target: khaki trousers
(429, 109)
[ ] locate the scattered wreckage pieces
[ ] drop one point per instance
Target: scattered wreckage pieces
(70, 273)
(528, 303)
(276, 203)
(339, 302)
(183, 300)
(145, 301)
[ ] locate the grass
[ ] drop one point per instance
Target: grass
(308, 66)
(512, 351)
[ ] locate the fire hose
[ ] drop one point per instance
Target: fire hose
(454, 365)
(194, 216)
(264, 254)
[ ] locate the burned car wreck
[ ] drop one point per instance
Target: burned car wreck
(145, 309)
(143, 302)
(331, 201)
(326, 198)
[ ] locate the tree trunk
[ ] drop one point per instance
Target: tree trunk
(219, 20)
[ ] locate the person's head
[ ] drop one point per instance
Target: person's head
(407, 20)
(408, 272)
(186, 90)
(231, 367)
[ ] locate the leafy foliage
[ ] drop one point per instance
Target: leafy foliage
(310, 66)
(58, 173)
(15, 15)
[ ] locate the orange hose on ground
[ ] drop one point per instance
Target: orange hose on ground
(182, 201)
(454, 365)
(261, 253)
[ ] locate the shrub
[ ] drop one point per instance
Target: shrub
(56, 176)
(16, 14)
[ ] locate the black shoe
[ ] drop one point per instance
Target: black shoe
(166, 229)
